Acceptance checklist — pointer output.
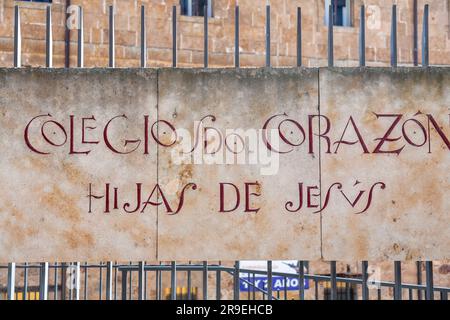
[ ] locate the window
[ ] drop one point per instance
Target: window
(341, 12)
(196, 7)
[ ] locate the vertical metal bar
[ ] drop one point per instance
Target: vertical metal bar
(365, 276)
(444, 295)
(100, 285)
(25, 282)
(85, 281)
(141, 285)
(63, 281)
(17, 38)
(316, 290)
(429, 273)
(115, 280)
(173, 281)
(301, 280)
(130, 283)
(112, 40)
(253, 284)
(299, 37)
(189, 283)
(267, 35)
(70, 269)
(157, 284)
(333, 280)
(330, 37)
(67, 35)
(347, 292)
(425, 43)
(124, 284)
(109, 274)
(394, 37)
(415, 34)
(174, 36)
(248, 291)
(80, 46)
(143, 39)
(205, 280)
(419, 279)
(397, 280)
(48, 38)
(236, 37)
(71, 281)
(269, 280)
(236, 280)
(218, 284)
(145, 283)
(160, 285)
(43, 281)
(77, 281)
(362, 37)
(55, 278)
(11, 290)
(205, 36)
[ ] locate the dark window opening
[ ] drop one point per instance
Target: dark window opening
(338, 12)
(341, 12)
(196, 8)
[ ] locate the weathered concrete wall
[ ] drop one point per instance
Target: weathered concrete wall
(410, 218)
(44, 212)
(94, 164)
(238, 100)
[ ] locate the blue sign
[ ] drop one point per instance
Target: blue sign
(278, 283)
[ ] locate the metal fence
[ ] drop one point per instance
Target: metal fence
(145, 281)
(143, 38)
(192, 281)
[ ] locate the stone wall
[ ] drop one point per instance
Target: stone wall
(359, 172)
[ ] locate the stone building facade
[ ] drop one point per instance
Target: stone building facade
(221, 32)
(221, 49)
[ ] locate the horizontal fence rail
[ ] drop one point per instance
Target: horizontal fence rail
(125, 281)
